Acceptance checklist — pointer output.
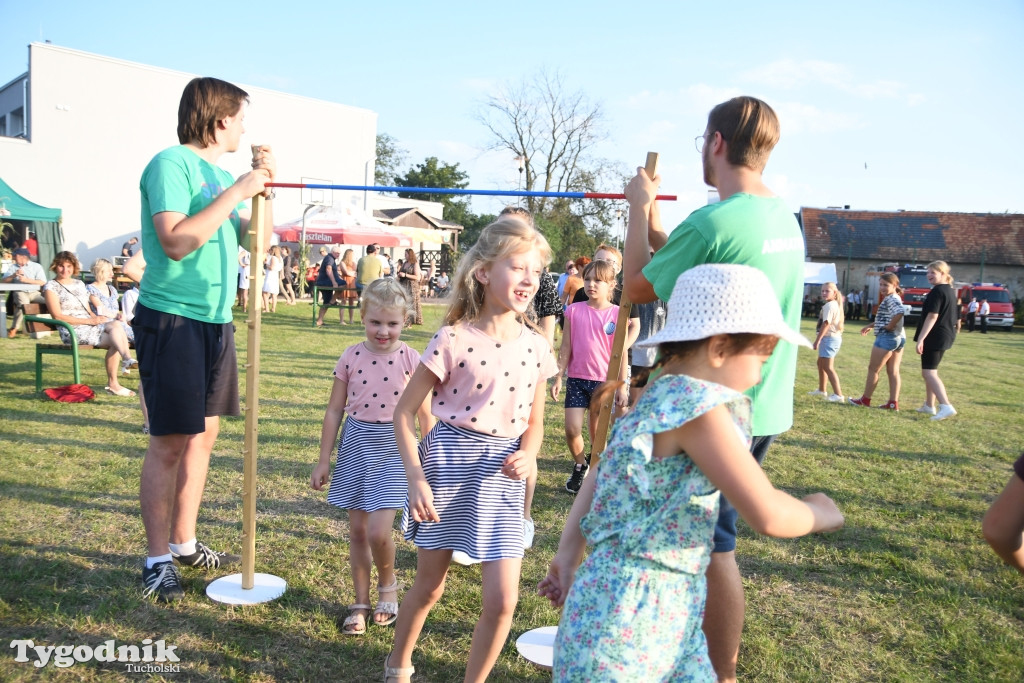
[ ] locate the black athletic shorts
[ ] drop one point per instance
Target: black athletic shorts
(930, 358)
(188, 370)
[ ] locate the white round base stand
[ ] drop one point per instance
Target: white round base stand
(538, 646)
(228, 589)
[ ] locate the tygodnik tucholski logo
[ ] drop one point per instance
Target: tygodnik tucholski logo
(148, 657)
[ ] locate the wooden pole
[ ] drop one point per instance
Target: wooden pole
(252, 383)
(604, 414)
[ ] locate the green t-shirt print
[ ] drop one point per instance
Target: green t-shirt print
(756, 231)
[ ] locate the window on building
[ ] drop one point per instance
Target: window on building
(16, 122)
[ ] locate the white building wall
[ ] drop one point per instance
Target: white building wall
(97, 121)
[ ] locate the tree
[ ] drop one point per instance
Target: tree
(434, 173)
(389, 158)
(554, 131)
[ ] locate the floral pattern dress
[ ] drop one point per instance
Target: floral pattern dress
(74, 301)
(635, 608)
(110, 307)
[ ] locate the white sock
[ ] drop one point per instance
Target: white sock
(150, 561)
(186, 548)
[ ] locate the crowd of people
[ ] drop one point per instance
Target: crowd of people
(937, 328)
(451, 436)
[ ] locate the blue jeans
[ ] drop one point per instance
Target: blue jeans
(890, 341)
(725, 528)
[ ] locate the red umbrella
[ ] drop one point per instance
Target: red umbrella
(335, 225)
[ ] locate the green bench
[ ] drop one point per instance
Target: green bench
(37, 320)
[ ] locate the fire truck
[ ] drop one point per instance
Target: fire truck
(913, 281)
(999, 302)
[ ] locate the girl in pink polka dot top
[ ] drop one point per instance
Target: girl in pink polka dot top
(485, 374)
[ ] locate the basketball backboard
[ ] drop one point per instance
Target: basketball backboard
(316, 196)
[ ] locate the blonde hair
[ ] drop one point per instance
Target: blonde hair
(501, 239)
(612, 250)
(942, 268)
(517, 211)
(103, 265)
(385, 293)
(839, 300)
(601, 270)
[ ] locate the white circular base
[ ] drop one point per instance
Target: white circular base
(228, 589)
(538, 646)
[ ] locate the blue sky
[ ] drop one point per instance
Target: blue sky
(884, 105)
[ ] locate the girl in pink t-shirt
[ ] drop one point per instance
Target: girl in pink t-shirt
(369, 479)
(485, 372)
(586, 352)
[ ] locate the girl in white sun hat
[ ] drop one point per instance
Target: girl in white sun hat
(635, 607)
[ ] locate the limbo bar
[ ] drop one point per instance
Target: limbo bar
(447, 190)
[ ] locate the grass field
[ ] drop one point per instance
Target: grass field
(908, 591)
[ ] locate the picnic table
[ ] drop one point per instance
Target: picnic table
(12, 287)
(341, 302)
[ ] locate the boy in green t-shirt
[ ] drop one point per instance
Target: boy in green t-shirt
(193, 217)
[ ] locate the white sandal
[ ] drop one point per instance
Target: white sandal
(355, 620)
(396, 672)
(387, 607)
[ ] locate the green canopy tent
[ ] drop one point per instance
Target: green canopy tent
(21, 214)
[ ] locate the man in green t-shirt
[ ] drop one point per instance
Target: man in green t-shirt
(749, 226)
(368, 268)
(193, 219)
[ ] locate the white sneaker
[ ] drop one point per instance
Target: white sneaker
(816, 392)
(926, 409)
(528, 532)
(945, 410)
(459, 557)
(836, 398)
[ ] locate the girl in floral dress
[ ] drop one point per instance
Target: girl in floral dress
(633, 610)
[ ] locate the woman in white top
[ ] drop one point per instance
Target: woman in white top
(272, 279)
(828, 341)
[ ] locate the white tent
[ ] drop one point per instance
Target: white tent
(819, 273)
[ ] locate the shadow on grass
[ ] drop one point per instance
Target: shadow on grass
(96, 596)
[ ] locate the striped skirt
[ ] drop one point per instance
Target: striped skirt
(369, 474)
(481, 509)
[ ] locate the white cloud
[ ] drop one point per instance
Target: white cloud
(696, 98)
(789, 74)
(798, 117)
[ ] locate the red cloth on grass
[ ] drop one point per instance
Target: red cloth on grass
(72, 393)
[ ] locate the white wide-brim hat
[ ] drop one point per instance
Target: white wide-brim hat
(723, 298)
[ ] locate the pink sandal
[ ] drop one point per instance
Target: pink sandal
(389, 607)
(355, 624)
(395, 671)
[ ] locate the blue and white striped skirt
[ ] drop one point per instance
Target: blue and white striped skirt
(369, 474)
(481, 509)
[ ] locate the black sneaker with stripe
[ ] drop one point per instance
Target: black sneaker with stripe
(164, 581)
(576, 479)
(206, 558)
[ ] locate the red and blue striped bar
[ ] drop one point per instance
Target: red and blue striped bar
(447, 190)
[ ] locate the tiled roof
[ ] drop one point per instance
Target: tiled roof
(391, 213)
(921, 236)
